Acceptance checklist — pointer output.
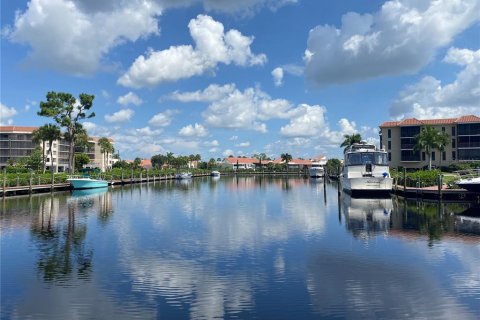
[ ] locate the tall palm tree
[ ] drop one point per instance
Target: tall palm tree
(443, 141)
(428, 139)
(351, 139)
(37, 137)
(47, 133)
(287, 158)
(106, 148)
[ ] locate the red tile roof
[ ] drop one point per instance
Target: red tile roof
(234, 160)
(17, 129)
(416, 122)
(469, 118)
(146, 163)
(293, 161)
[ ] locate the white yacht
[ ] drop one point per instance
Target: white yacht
(316, 171)
(365, 170)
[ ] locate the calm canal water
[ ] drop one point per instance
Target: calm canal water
(246, 247)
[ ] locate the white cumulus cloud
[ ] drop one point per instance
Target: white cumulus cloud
(196, 130)
(243, 144)
(307, 121)
(6, 114)
(401, 38)
(428, 98)
(235, 109)
(162, 119)
(277, 75)
(129, 99)
(120, 116)
(212, 46)
(64, 36)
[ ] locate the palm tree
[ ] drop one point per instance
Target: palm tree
(351, 139)
(37, 137)
(47, 133)
(262, 156)
(443, 141)
(106, 148)
(428, 139)
(286, 157)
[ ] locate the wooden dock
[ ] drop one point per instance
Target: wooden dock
(435, 192)
(42, 188)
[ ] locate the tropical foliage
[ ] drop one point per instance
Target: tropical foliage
(286, 158)
(429, 139)
(67, 113)
(106, 148)
(333, 167)
(351, 139)
(47, 133)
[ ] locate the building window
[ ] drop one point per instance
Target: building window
(443, 129)
(389, 133)
(389, 156)
(433, 156)
(407, 143)
(423, 156)
(469, 129)
(410, 155)
(409, 132)
(469, 154)
(453, 131)
(454, 143)
(444, 156)
(454, 155)
(389, 145)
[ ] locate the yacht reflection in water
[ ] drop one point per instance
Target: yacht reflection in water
(366, 217)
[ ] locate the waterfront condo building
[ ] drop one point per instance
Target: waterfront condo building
(398, 139)
(16, 143)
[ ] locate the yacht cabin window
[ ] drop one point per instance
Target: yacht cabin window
(361, 158)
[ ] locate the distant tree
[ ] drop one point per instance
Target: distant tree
(333, 166)
(122, 164)
(158, 161)
(286, 158)
(211, 163)
(170, 158)
(351, 139)
(136, 163)
(230, 156)
(428, 139)
(34, 161)
(47, 133)
(261, 157)
(198, 157)
(67, 113)
(81, 159)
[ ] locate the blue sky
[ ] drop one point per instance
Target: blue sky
(219, 77)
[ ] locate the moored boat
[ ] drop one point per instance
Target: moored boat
(470, 184)
(86, 182)
(365, 170)
(183, 175)
(215, 173)
(316, 171)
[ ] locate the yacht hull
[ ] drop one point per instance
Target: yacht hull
(367, 185)
(87, 183)
(316, 172)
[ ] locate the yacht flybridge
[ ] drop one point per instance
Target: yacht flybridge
(365, 170)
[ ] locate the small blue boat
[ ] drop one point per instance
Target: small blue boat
(85, 182)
